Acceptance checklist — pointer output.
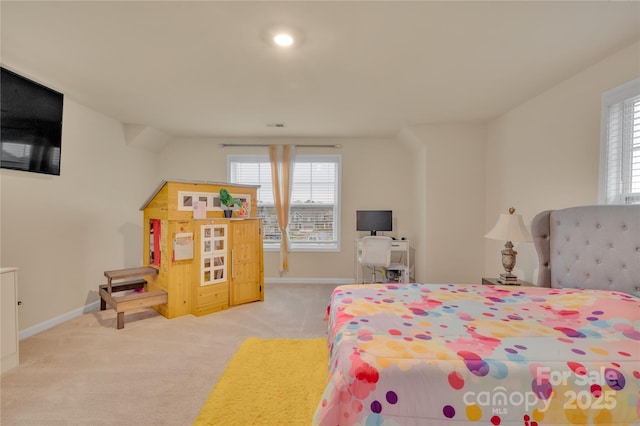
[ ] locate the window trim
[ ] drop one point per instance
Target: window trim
(609, 98)
(318, 247)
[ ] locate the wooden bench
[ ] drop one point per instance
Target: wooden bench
(118, 281)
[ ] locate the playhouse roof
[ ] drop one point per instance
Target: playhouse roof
(195, 182)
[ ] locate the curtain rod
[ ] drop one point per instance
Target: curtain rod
(245, 145)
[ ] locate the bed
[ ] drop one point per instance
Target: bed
(564, 352)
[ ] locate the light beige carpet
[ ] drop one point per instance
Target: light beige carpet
(269, 382)
(153, 372)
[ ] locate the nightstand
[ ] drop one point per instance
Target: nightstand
(494, 281)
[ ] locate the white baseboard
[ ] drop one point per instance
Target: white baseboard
(332, 281)
(28, 332)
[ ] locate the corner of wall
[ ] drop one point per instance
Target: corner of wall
(145, 137)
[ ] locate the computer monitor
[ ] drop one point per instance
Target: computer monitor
(373, 220)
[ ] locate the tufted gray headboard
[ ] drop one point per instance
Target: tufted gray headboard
(594, 247)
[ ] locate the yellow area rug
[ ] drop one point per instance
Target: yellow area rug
(269, 382)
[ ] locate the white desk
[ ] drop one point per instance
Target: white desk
(397, 246)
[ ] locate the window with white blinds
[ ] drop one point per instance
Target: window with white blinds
(620, 145)
(315, 199)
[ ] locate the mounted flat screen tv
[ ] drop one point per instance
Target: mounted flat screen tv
(373, 221)
(31, 125)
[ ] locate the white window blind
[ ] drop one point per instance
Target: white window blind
(314, 214)
(620, 145)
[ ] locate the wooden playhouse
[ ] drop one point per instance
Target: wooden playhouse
(205, 262)
(195, 261)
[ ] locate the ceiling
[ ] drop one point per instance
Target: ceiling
(363, 69)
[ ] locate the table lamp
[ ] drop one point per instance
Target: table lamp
(510, 227)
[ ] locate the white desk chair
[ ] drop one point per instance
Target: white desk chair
(376, 253)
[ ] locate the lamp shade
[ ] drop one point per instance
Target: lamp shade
(510, 227)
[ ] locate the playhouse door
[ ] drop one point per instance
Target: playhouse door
(246, 262)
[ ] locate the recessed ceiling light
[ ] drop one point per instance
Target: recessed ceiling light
(283, 39)
(282, 36)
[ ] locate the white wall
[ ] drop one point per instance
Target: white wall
(544, 154)
(64, 231)
(451, 188)
(376, 174)
(446, 184)
(417, 190)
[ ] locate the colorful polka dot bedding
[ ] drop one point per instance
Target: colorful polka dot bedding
(422, 354)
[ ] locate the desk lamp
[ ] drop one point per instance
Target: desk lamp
(510, 227)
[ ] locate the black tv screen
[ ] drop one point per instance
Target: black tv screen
(373, 220)
(31, 122)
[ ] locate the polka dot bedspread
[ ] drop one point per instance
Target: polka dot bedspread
(425, 354)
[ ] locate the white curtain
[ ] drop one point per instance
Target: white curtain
(282, 157)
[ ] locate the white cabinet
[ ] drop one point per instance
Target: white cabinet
(9, 317)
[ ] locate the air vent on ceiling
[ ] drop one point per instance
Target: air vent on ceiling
(279, 125)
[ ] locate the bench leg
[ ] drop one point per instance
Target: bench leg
(120, 320)
(103, 304)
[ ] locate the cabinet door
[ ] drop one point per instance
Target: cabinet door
(246, 262)
(8, 309)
